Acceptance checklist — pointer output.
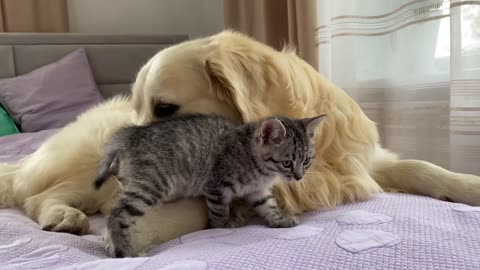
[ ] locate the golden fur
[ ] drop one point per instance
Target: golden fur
(235, 76)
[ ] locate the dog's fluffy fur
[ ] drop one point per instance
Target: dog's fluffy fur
(235, 76)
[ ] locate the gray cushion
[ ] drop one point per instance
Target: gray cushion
(114, 59)
(7, 67)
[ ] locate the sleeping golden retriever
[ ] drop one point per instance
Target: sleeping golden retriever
(232, 75)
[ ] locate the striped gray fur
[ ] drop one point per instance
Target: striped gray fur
(204, 155)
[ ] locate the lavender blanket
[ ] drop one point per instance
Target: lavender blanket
(391, 231)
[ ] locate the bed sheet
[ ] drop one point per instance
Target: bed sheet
(390, 231)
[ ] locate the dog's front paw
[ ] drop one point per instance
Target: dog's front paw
(284, 222)
(62, 218)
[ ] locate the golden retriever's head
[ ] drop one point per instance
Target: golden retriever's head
(228, 74)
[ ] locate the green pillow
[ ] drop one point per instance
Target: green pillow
(7, 126)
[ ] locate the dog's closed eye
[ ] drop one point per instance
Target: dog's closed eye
(165, 109)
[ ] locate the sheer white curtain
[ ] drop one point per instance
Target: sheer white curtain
(414, 67)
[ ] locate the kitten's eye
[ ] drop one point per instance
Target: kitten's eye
(307, 161)
(287, 163)
(165, 109)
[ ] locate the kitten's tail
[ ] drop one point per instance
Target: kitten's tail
(108, 167)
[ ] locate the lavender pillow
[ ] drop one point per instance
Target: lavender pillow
(51, 96)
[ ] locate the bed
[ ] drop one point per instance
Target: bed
(390, 231)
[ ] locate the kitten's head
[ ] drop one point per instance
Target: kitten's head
(286, 145)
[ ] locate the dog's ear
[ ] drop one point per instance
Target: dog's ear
(142, 104)
(230, 80)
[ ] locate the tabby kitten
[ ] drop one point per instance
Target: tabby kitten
(204, 155)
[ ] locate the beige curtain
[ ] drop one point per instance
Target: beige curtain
(33, 16)
(414, 68)
(276, 23)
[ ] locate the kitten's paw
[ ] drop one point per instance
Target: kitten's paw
(215, 225)
(284, 222)
(233, 224)
(122, 252)
(117, 252)
(107, 243)
(240, 214)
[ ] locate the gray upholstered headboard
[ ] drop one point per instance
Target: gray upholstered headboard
(114, 59)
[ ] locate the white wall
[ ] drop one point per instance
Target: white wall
(192, 17)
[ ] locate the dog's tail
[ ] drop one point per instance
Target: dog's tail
(421, 177)
(7, 175)
(108, 167)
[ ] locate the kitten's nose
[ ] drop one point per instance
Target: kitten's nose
(298, 174)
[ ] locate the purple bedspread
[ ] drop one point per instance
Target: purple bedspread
(14, 147)
(391, 231)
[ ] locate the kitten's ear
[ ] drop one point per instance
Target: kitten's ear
(271, 131)
(311, 124)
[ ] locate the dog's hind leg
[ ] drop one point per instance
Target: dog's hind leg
(65, 206)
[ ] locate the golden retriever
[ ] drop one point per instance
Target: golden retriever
(238, 77)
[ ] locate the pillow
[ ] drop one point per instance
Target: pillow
(51, 96)
(7, 126)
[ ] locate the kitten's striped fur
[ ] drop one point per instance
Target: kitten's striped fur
(204, 155)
